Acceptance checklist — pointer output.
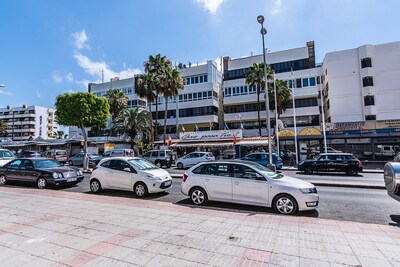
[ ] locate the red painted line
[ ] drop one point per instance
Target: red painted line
(20, 226)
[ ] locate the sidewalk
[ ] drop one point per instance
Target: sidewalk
(58, 228)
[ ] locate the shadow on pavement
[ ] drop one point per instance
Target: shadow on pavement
(342, 174)
(239, 208)
(129, 194)
(395, 219)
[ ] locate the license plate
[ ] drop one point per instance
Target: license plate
(168, 183)
(71, 180)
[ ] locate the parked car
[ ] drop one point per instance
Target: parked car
(29, 154)
(391, 177)
(159, 157)
(40, 171)
(130, 174)
(57, 154)
(397, 157)
(123, 152)
(384, 151)
(193, 158)
(249, 183)
(263, 159)
(77, 160)
(332, 162)
(5, 156)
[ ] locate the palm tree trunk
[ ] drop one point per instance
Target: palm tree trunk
(156, 120)
(258, 110)
(151, 125)
(165, 118)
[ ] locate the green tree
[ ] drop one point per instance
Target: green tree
(145, 83)
(156, 65)
(172, 83)
(82, 110)
(283, 96)
(255, 77)
(118, 103)
(136, 121)
(3, 126)
(59, 134)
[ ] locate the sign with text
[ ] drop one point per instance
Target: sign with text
(211, 135)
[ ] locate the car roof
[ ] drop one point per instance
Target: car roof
(336, 153)
(255, 153)
(121, 158)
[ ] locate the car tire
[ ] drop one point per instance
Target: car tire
(41, 183)
(3, 179)
(140, 189)
(70, 163)
(308, 170)
(180, 165)
(285, 204)
(198, 196)
(95, 186)
(351, 171)
(158, 164)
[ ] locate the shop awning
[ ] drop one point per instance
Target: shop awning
(209, 144)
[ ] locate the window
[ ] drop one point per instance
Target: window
(27, 164)
(312, 81)
(199, 169)
(205, 78)
(369, 100)
(298, 83)
(366, 62)
(201, 79)
(368, 81)
(15, 164)
(370, 117)
(154, 154)
(305, 82)
(119, 165)
(244, 172)
(217, 170)
(162, 153)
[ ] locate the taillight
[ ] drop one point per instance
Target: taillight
(185, 176)
(359, 163)
(94, 168)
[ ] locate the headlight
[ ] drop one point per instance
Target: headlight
(397, 175)
(308, 190)
(79, 173)
(55, 175)
(153, 178)
(60, 175)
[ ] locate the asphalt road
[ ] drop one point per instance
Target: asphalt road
(349, 204)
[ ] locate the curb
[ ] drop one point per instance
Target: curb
(364, 171)
(364, 186)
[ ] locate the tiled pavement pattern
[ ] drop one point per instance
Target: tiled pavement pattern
(55, 228)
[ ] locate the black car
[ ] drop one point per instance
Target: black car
(28, 154)
(40, 171)
(332, 162)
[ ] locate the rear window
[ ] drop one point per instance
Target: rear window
(61, 153)
(200, 169)
(6, 154)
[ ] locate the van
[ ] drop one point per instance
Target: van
(123, 152)
(57, 154)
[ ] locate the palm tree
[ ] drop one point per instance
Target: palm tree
(255, 77)
(3, 126)
(156, 66)
(118, 102)
(145, 84)
(283, 96)
(172, 82)
(135, 121)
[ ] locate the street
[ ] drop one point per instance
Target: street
(338, 203)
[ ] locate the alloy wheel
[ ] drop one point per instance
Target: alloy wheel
(158, 164)
(95, 186)
(180, 165)
(198, 197)
(3, 179)
(41, 183)
(140, 190)
(285, 205)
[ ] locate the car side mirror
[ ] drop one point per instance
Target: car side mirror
(259, 177)
(127, 169)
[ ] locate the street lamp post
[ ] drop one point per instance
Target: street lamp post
(263, 31)
(323, 112)
(276, 119)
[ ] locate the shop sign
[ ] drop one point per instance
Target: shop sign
(211, 135)
(286, 132)
(364, 126)
(310, 131)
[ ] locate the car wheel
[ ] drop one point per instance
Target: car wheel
(3, 179)
(308, 170)
(95, 186)
(158, 164)
(180, 165)
(285, 204)
(198, 196)
(351, 171)
(70, 163)
(140, 189)
(41, 183)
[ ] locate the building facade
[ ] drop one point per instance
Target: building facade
(28, 122)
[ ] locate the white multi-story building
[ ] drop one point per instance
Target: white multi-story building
(28, 122)
(362, 84)
(240, 100)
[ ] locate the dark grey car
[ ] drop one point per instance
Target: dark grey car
(77, 160)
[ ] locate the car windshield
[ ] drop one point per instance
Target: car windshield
(265, 171)
(168, 153)
(46, 163)
(141, 164)
(6, 154)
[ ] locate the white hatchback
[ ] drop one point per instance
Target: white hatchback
(248, 183)
(6, 156)
(194, 158)
(130, 174)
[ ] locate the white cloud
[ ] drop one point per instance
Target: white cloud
(38, 94)
(69, 77)
(2, 92)
(277, 8)
(211, 5)
(80, 39)
(57, 78)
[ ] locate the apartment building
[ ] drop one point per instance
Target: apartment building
(240, 100)
(28, 122)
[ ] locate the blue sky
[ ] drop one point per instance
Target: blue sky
(48, 47)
